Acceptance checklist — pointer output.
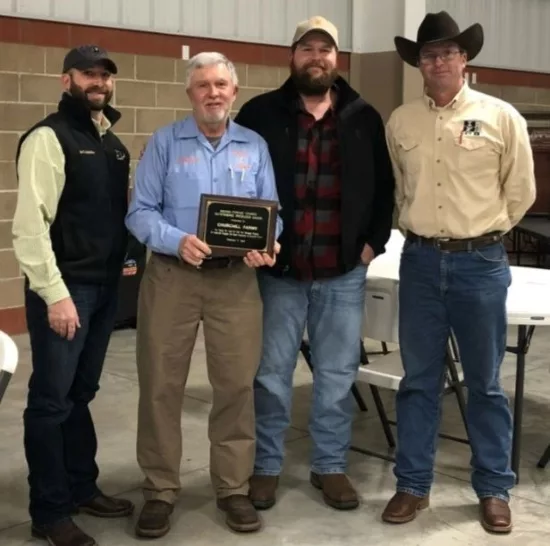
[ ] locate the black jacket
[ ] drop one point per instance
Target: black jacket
(367, 177)
(88, 235)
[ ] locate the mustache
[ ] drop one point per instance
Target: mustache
(315, 64)
(95, 89)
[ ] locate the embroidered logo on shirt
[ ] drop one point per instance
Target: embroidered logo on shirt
(188, 160)
(86, 152)
(471, 127)
(120, 155)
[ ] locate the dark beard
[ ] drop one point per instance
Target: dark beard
(78, 93)
(309, 86)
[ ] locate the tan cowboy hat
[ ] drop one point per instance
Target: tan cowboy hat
(440, 27)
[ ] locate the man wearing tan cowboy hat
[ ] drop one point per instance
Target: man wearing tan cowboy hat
(464, 177)
(335, 182)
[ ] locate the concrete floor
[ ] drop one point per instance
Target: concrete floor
(300, 517)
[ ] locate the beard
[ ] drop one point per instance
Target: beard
(82, 94)
(313, 86)
(214, 118)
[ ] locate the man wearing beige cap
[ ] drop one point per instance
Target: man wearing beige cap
(335, 184)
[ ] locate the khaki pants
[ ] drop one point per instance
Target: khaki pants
(173, 299)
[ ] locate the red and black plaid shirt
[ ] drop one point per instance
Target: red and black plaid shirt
(317, 225)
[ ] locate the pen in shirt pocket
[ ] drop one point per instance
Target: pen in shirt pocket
(232, 173)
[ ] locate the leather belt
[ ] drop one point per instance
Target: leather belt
(218, 262)
(447, 244)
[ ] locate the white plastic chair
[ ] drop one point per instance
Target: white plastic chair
(9, 358)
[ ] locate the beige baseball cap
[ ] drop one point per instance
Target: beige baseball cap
(316, 23)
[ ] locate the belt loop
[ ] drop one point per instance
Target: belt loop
(470, 246)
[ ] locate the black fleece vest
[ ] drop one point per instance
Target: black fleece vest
(88, 235)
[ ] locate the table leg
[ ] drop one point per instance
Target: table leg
(518, 398)
(545, 459)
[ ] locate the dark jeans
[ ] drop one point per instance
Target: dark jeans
(60, 439)
(464, 292)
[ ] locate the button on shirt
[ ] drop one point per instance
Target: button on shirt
(179, 164)
(462, 170)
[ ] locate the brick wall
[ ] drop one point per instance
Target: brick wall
(524, 98)
(149, 92)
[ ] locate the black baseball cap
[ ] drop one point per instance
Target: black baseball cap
(88, 56)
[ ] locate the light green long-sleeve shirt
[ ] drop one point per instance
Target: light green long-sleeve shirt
(41, 174)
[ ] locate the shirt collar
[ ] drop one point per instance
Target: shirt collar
(457, 101)
(188, 128)
(103, 125)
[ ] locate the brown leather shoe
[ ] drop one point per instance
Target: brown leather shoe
(337, 490)
(154, 520)
(63, 533)
(495, 515)
(262, 491)
(241, 516)
(403, 508)
(103, 506)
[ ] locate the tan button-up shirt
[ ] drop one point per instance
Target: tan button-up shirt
(461, 170)
(41, 175)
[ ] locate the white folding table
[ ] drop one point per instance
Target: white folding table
(527, 306)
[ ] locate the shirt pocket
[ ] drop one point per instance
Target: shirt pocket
(243, 178)
(182, 189)
(473, 154)
(408, 151)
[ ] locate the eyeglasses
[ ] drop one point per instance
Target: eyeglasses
(431, 57)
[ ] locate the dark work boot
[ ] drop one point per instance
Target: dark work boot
(63, 533)
(241, 516)
(103, 506)
(154, 520)
(262, 491)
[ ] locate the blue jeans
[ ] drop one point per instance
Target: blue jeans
(464, 292)
(333, 312)
(60, 440)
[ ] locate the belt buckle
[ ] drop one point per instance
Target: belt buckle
(440, 240)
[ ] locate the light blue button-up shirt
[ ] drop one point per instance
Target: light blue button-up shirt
(179, 164)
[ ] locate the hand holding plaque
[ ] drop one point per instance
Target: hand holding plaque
(236, 226)
(193, 250)
(257, 259)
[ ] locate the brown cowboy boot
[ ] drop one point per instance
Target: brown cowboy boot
(495, 515)
(337, 490)
(262, 491)
(403, 508)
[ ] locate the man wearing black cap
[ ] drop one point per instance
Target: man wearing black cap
(70, 240)
(464, 177)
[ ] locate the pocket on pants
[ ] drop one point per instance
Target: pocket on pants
(494, 253)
